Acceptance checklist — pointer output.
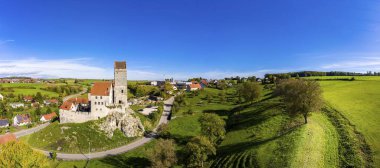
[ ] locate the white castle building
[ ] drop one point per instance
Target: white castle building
(104, 97)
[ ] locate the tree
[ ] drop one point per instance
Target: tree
(48, 110)
(250, 91)
(37, 112)
(300, 96)
(18, 154)
(163, 130)
(163, 154)
(198, 149)
(38, 97)
(212, 127)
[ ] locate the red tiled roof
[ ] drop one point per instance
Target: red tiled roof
(28, 97)
(204, 82)
(6, 138)
(195, 86)
(66, 105)
(78, 100)
(50, 116)
(101, 88)
(53, 101)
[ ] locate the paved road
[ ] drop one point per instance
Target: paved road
(75, 95)
(167, 107)
(31, 130)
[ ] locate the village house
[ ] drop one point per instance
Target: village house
(7, 138)
(74, 104)
(22, 119)
(4, 123)
(204, 83)
(50, 101)
(16, 105)
(1, 97)
(193, 87)
(28, 98)
(48, 117)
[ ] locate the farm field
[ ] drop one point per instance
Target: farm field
(359, 102)
(364, 78)
(21, 88)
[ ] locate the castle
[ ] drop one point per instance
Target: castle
(104, 97)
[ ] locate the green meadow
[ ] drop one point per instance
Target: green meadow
(28, 89)
(359, 102)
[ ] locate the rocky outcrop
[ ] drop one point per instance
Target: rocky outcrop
(129, 124)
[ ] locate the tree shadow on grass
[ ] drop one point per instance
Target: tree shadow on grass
(124, 162)
(180, 139)
(243, 146)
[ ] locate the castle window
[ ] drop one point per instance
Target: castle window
(122, 91)
(119, 101)
(96, 109)
(102, 103)
(96, 97)
(101, 97)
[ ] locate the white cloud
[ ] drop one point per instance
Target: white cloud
(77, 68)
(60, 68)
(356, 65)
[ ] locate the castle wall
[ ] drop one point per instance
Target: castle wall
(66, 116)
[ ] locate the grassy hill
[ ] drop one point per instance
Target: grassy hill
(262, 135)
(76, 138)
(359, 102)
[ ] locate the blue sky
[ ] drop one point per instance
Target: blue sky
(180, 39)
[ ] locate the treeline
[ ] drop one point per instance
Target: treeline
(319, 73)
(64, 89)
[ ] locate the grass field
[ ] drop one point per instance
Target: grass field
(76, 138)
(18, 89)
(365, 78)
(359, 102)
(262, 135)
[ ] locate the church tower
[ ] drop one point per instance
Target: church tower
(120, 83)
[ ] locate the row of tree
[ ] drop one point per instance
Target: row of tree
(197, 149)
(320, 73)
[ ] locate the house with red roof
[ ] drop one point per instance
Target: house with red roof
(194, 87)
(204, 83)
(50, 101)
(48, 117)
(74, 103)
(28, 98)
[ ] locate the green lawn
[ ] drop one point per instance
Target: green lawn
(18, 89)
(76, 138)
(359, 102)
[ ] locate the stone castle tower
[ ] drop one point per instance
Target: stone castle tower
(120, 83)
